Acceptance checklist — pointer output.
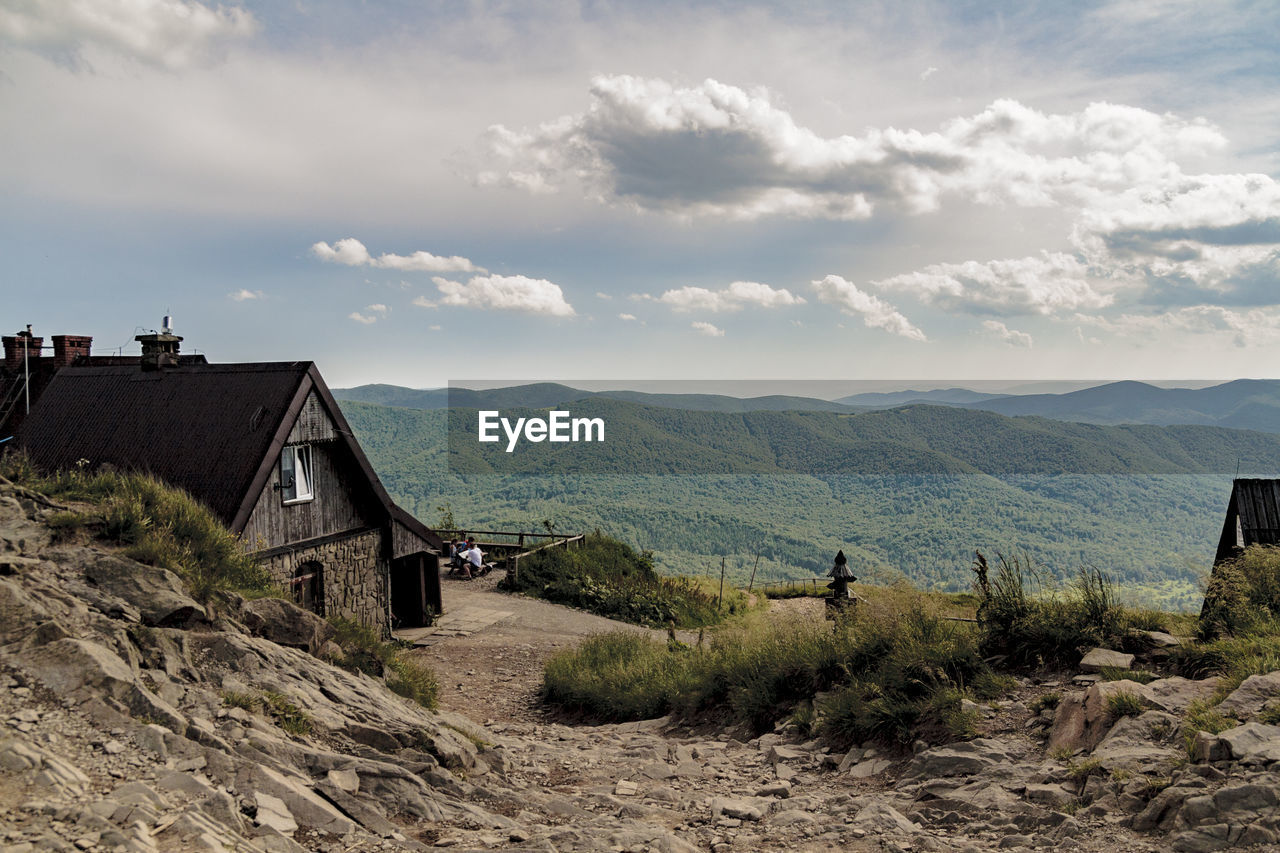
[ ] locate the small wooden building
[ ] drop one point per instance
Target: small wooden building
(1253, 518)
(267, 449)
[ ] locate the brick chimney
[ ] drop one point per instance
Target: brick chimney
(68, 348)
(16, 346)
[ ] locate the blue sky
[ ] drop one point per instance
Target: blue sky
(421, 192)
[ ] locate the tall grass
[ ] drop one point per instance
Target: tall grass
(1031, 624)
(894, 672)
(365, 651)
(155, 524)
(612, 579)
(1243, 595)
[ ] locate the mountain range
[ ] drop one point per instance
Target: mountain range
(1241, 404)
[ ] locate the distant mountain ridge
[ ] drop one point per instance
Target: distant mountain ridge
(1252, 404)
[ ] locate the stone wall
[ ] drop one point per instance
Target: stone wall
(355, 577)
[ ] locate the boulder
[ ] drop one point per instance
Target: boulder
(1252, 743)
(1098, 659)
(157, 595)
(956, 759)
(1254, 693)
(286, 624)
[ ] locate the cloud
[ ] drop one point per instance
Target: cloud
(362, 318)
(718, 150)
(731, 298)
(603, 295)
(928, 72)
(628, 317)
(1045, 284)
(707, 329)
(171, 34)
(1009, 336)
(378, 308)
(1244, 328)
(506, 293)
(351, 252)
(875, 312)
(243, 295)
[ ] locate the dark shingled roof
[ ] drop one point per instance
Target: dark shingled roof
(215, 430)
(1253, 517)
(206, 429)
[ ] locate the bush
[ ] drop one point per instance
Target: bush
(1031, 626)
(365, 651)
(1243, 594)
(1124, 704)
(612, 579)
(1202, 717)
(157, 524)
(895, 673)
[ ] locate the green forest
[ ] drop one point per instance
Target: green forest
(909, 493)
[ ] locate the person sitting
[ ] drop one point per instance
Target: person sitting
(475, 560)
(455, 556)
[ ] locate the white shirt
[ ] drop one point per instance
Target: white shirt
(475, 556)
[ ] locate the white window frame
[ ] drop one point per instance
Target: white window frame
(295, 489)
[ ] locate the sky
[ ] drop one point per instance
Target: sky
(418, 193)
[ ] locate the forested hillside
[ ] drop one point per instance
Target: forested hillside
(910, 492)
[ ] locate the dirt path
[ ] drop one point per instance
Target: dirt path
(494, 674)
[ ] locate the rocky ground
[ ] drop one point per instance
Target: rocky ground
(125, 725)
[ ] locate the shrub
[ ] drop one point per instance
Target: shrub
(1045, 701)
(1270, 715)
(65, 526)
(610, 578)
(157, 524)
(1243, 594)
(287, 715)
(1202, 717)
(1124, 704)
(894, 673)
(365, 651)
(1032, 626)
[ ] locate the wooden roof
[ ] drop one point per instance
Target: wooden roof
(1253, 517)
(215, 430)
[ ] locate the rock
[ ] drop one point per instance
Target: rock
(157, 594)
(272, 812)
(626, 788)
(957, 759)
(285, 624)
(1253, 694)
(1253, 743)
(880, 818)
(781, 789)
(1162, 640)
(1081, 721)
(344, 780)
(1098, 659)
(741, 809)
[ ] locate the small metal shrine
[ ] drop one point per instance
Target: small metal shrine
(842, 597)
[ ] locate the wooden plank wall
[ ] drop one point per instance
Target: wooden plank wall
(343, 500)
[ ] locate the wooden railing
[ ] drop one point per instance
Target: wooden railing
(520, 547)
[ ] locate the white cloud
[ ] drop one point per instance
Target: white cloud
(434, 327)
(378, 307)
(1010, 336)
(168, 33)
(875, 312)
(707, 329)
(243, 295)
(424, 302)
(362, 318)
(603, 295)
(351, 252)
(506, 293)
(1244, 328)
(718, 150)
(1038, 285)
(627, 317)
(731, 298)
(928, 72)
